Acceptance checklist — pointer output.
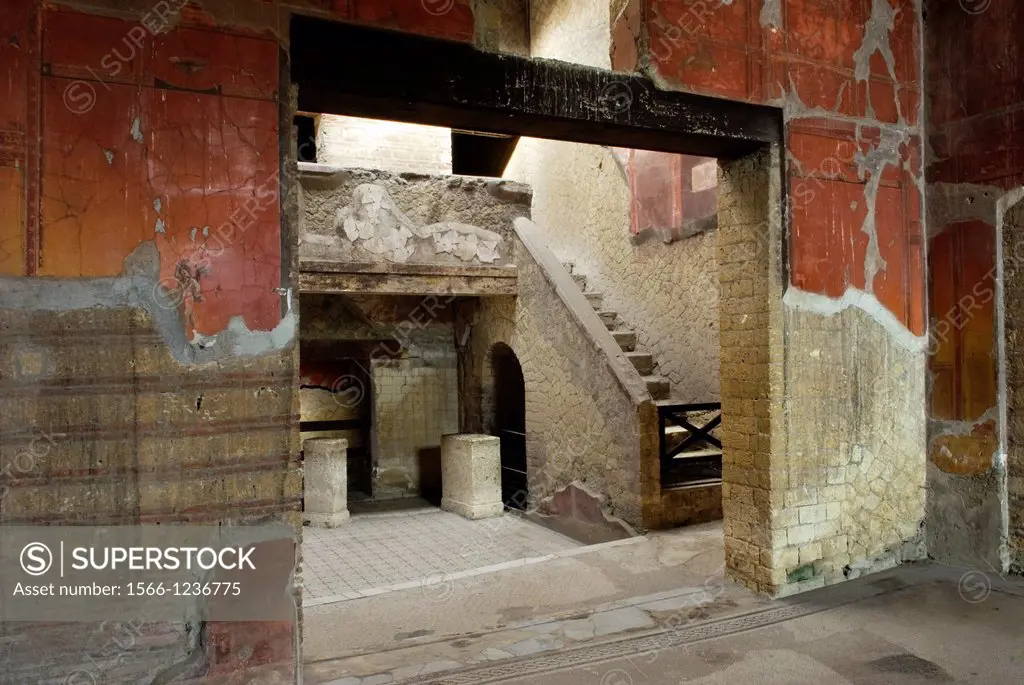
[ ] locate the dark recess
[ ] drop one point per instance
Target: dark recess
(475, 154)
(306, 128)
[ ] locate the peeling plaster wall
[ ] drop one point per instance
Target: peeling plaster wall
(668, 294)
(153, 335)
(855, 500)
(975, 94)
(362, 215)
(823, 413)
(142, 191)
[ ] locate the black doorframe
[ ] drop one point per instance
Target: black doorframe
(361, 71)
(509, 424)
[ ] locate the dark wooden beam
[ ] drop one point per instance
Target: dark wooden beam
(359, 71)
(327, 283)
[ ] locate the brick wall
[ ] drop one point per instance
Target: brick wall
(1013, 246)
(390, 145)
(749, 282)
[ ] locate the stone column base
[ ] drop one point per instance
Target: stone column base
(326, 482)
(472, 511)
(471, 476)
(325, 520)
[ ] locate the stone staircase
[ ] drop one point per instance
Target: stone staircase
(642, 361)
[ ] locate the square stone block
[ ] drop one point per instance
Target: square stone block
(471, 475)
(325, 465)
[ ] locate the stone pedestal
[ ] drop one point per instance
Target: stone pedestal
(326, 482)
(471, 475)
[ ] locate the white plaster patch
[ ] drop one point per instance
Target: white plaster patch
(137, 130)
(704, 176)
(771, 14)
(876, 39)
(374, 221)
(795, 298)
(248, 342)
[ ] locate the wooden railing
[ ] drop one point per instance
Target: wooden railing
(690, 453)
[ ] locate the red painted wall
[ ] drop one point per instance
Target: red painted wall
(975, 85)
(120, 131)
(975, 72)
(117, 131)
(805, 56)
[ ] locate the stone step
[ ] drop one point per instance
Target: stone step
(626, 340)
(609, 318)
(596, 300)
(643, 362)
(658, 386)
(581, 280)
(698, 454)
(674, 436)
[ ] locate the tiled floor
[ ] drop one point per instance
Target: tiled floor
(375, 553)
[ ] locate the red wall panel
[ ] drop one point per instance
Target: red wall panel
(809, 54)
(172, 139)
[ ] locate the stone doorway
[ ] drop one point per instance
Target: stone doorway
(510, 425)
(622, 430)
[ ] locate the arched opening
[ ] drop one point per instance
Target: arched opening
(509, 424)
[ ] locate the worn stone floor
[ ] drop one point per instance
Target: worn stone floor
(578, 595)
(922, 634)
(657, 610)
(416, 546)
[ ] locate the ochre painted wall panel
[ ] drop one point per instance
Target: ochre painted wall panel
(962, 301)
(15, 62)
(12, 222)
(187, 158)
(977, 306)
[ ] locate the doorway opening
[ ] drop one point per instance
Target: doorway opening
(510, 425)
(589, 417)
